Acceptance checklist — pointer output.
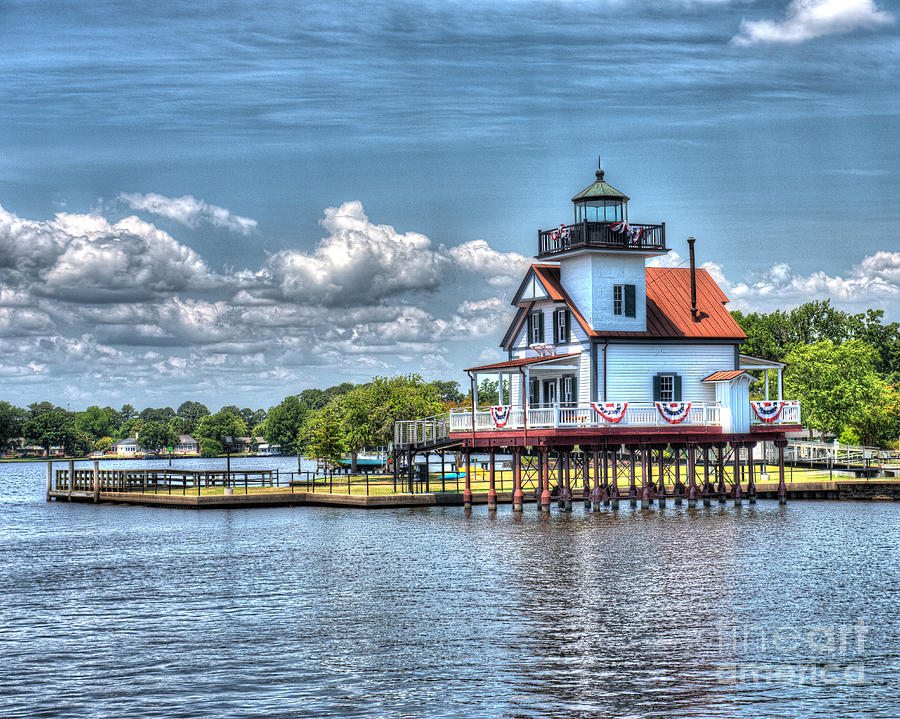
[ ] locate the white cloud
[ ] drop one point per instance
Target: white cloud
(874, 282)
(808, 19)
(357, 263)
(188, 211)
(499, 268)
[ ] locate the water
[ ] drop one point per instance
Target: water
(113, 611)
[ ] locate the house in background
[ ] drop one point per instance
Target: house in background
(126, 447)
(187, 445)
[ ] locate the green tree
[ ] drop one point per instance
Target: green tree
(836, 384)
(127, 412)
(448, 392)
(12, 419)
(49, 426)
(189, 413)
(103, 444)
(162, 414)
(283, 423)
(156, 436)
(96, 422)
(129, 428)
(215, 427)
(323, 435)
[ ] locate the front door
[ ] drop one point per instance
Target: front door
(549, 392)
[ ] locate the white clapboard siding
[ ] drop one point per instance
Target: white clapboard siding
(577, 333)
(630, 369)
(584, 376)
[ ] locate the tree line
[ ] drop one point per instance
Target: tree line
(843, 368)
(289, 423)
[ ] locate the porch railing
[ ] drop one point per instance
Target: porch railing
(639, 414)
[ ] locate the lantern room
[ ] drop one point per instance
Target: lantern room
(601, 202)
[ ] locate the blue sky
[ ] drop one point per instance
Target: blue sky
(323, 191)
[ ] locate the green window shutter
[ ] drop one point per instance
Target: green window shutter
(568, 324)
(541, 327)
(677, 387)
(574, 389)
(629, 300)
(556, 337)
(657, 394)
(529, 330)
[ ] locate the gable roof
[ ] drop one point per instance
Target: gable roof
(668, 306)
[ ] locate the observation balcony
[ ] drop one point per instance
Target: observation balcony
(604, 236)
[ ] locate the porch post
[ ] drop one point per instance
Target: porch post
(492, 492)
(645, 478)
(586, 477)
(614, 485)
(707, 487)
(678, 489)
(597, 494)
(467, 492)
(780, 397)
(662, 477)
(565, 492)
(692, 478)
(766, 389)
(782, 488)
(751, 482)
(544, 503)
(518, 499)
(720, 465)
(632, 487)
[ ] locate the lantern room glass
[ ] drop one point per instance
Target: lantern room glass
(601, 211)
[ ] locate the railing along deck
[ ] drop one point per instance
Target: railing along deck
(638, 414)
(599, 234)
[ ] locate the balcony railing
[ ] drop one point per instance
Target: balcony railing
(600, 235)
(431, 430)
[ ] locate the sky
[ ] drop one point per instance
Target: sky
(231, 202)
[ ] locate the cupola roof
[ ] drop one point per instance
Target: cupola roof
(600, 190)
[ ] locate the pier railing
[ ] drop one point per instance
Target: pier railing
(601, 235)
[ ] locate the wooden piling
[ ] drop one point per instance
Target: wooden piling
(71, 479)
(49, 478)
(661, 494)
(96, 482)
(518, 499)
(738, 499)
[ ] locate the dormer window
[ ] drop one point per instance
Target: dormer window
(623, 300)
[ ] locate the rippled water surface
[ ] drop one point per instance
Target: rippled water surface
(111, 611)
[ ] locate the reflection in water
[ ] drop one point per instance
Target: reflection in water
(139, 612)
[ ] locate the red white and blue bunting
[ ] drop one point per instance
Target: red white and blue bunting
(560, 234)
(500, 415)
(613, 412)
(768, 412)
(673, 412)
(632, 233)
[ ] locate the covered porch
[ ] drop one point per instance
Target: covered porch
(755, 364)
(540, 382)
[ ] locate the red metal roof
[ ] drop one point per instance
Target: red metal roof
(723, 375)
(669, 307)
(520, 362)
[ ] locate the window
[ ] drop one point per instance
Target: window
(568, 390)
(624, 300)
(561, 326)
(536, 328)
(667, 387)
(532, 392)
